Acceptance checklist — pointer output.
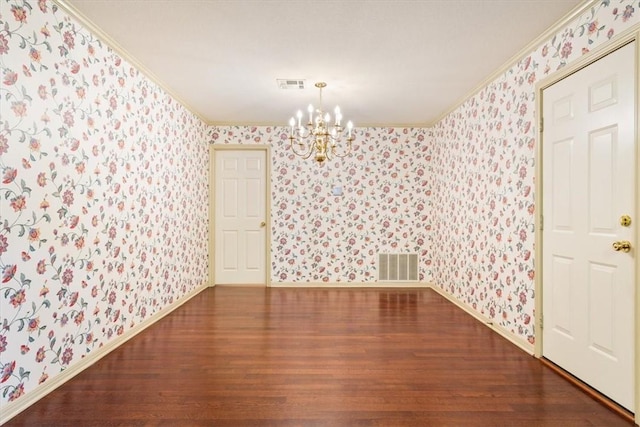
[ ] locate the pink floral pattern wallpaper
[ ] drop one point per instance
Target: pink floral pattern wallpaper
(104, 223)
(317, 237)
(482, 177)
(103, 219)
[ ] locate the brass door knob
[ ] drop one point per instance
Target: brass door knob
(263, 224)
(622, 246)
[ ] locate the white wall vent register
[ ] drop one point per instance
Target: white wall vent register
(398, 267)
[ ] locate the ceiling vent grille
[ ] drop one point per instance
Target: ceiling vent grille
(290, 84)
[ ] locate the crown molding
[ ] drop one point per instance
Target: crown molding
(117, 48)
(104, 37)
(553, 29)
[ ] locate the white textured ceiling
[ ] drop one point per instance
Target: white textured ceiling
(386, 63)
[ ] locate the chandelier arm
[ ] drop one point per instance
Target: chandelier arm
(342, 156)
(309, 154)
(303, 154)
(339, 133)
(304, 132)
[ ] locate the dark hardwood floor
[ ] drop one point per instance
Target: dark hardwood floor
(318, 357)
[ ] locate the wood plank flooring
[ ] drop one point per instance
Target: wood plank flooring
(318, 357)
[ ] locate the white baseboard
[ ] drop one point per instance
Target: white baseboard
(12, 409)
(500, 330)
(347, 285)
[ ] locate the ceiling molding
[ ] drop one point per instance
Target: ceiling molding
(573, 14)
(360, 126)
(117, 48)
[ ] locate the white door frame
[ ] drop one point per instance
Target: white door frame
(212, 200)
(629, 36)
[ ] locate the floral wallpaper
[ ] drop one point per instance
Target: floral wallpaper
(102, 176)
(482, 177)
(317, 237)
(102, 173)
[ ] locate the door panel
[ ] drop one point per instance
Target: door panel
(602, 300)
(602, 149)
(561, 190)
(562, 277)
(230, 250)
(588, 183)
(255, 207)
(230, 194)
(240, 215)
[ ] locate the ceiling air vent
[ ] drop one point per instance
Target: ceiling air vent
(290, 84)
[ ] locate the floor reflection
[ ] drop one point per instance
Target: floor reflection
(395, 304)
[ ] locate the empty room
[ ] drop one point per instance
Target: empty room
(314, 213)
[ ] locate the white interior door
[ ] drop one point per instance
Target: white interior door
(588, 185)
(240, 216)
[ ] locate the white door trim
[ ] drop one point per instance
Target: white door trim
(629, 36)
(212, 197)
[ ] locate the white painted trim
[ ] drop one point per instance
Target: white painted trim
(637, 241)
(117, 48)
(347, 285)
(500, 330)
(532, 46)
(212, 201)
(212, 210)
(630, 35)
(108, 40)
(538, 224)
(14, 408)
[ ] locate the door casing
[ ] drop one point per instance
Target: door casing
(212, 197)
(628, 37)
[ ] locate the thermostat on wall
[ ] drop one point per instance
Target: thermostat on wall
(337, 190)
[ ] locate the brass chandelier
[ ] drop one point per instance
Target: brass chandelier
(319, 137)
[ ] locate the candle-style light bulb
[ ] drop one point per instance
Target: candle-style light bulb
(299, 115)
(292, 123)
(338, 115)
(349, 127)
(310, 110)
